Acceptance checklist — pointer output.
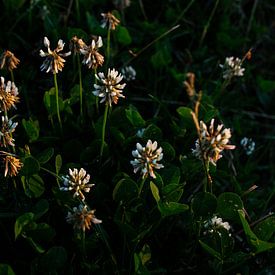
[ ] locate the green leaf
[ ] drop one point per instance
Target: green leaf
(35, 245)
(204, 205)
(162, 57)
(22, 222)
(123, 35)
(265, 229)
(155, 191)
(152, 132)
(186, 117)
(125, 190)
(30, 166)
(40, 208)
(6, 269)
(172, 192)
(45, 155)
(32, 129)
(171, 208)
(50, 101)
(33, 186)
(43, 232)
(134, 117)
(171, 175)
(169, 152)
(228, 205)
(210, 250)
(58, 163)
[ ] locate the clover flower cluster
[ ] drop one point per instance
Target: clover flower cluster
(129, 73)
(109, 21)
(9, 97)
(146, 158)
(212, 141)
(215, 224)
(248, 145)
(232, 67)
(77, 182)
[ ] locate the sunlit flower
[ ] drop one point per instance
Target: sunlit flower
(215, 224)
(82, 218)
(9, 60)
(129, 73)
(248, 144)
(76, 44)
(109, 20)
(54, 60)
(146, 159)
(232, 67)
(212, 142)
(77, 182)
(7, 128)
(12, 164)
(8, 95)
(92, 58)
(109, 88)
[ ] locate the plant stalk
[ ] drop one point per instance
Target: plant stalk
(57, 101)
(103, 129)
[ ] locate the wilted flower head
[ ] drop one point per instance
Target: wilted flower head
(9, 60)
(214, 224)
(77, 182)
(189, 84)
(76, 44)
(92, 58)
(7, 128)
(232, 67)
(82, 218)
(212, 142)
(146, 159)
(109, 20)
(54, 60)
(109, 88)
(8, 95)
(129, 73)
(248, 144)
(12, 164)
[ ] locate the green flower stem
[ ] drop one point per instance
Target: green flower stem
(77, 10)
(80, 86)
(103, 129)
(57, 101)
(108, 47)
(83, 241)
(97, 99)
(12, 76)
(53, 174)
(141, 186)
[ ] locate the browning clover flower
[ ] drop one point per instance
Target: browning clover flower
(109, 88)
(92, 58)
(232, 67)
(8, 95)
(82, 218)
(76, 44)
(146, 159)
(8, 127)
(212, 142)
(9, 60)
(77, 182)
(54, 60)
(110, 20)
(12, 164)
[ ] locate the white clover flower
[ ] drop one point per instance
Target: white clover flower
(140, 132)
(92, 58)
(232, 67)
(248, 145)
(109, 88)
(54, 60)
(146, 158)
(77, 182)
(212, 142)
(82, 218)
(129, 73)
(8, 95)
(7, 128)
(215, 223)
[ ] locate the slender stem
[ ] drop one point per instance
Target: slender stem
(77, 11)
(108, 46)
(83, 239)
(103, 129)
(12, 76)
(53, 174)
(97, 98)
(141, 186)
(57, 101)
(80, 86)
(184, 11)
(251, 17)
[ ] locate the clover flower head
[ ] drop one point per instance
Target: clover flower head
(232, 67)
(9, 60)
(8, 95)
(54, 61)
(77, 182)
(215, 224)
(12, 164)
(129, 73)
(146, 158)
(248, 145)
(109, 20)
(92, 58)
(8, 127)
(76, 44)
(82, 218)
(212, 142)
(109, 87)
